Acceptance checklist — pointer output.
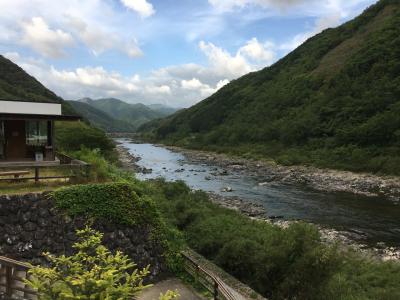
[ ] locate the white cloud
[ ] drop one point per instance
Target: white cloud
(321, 24)
(49, 27)
(44, 40)
(142, 7)
(192, 84)
(250, 57)
(226, 5)
(258, 52)
(179, 85)
(160, 90)
(223, 63)
(99, 40)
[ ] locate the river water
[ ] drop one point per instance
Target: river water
(368, 219)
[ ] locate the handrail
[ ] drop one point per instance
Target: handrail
(64, 159)
(68, 168)
(14, 273)
(219, 287)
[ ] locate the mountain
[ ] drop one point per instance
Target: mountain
(162, 109)
(333, 102)
(133, 115)
(16, 84)
(101, 119)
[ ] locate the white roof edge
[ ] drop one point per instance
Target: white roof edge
(30, 108)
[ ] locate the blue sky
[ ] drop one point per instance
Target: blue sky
(175, 52)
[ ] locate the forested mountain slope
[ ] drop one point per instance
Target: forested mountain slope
(16, 84)
(133, 114)
(332, 102)
(101, 119)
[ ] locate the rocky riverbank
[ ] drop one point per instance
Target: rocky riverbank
(328, 235)
(319, 179)
(256, 210)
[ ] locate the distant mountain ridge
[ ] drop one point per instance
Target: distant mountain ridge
(114, 115)
(100, 119)
(333, 102)
(16, 84)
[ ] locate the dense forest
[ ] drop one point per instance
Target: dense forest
(333, 102)
(125, 117)
(101, 119)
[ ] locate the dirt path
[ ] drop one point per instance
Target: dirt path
(185, 292)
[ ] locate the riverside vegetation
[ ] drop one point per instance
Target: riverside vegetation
(334, 102)
(291, 263)
(346, 118)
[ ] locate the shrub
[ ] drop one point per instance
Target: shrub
(123, 203)
(91, 273)
(72, 136)
(280, 263)
(127, 203)
(100, 169)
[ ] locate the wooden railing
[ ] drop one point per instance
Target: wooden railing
(212, 283)
(68, 168)
(12, 276)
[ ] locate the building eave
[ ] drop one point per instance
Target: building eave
(4, 116)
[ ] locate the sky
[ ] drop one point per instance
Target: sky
(172, 52)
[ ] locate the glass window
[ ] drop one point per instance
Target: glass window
(2, 139)
(36, 133)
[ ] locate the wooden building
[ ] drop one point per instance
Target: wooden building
(27, 130)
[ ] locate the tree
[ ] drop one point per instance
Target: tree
(93, 272)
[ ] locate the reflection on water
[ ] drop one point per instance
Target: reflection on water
(374, 219)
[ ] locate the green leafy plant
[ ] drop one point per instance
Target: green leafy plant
(169, 295)
(127, 203)
(93, 272)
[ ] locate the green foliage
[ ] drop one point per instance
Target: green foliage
(129, 202)
(289, 263)
(332, 102)
(169, 295)
(101, 119)
(117, 202)
(72, 136)
(100, 169)
(93, 272)
(129, 115)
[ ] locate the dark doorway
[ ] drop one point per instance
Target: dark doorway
(14, 131)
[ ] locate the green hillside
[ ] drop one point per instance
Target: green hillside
(101, 119)
(132, 114)
(16, 84)
(332, 102)
(163, 110)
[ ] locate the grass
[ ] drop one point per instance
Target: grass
(11, 188)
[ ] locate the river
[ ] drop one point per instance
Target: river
(369, 220)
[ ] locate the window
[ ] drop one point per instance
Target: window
(36, 133)
(2, 139)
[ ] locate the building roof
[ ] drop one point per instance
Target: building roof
(12, 110)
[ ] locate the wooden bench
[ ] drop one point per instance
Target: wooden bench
(16, 174)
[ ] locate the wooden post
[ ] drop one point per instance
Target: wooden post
(215, 290)
(197, 273)
(9, 281)
(36, 174)
(87, 171)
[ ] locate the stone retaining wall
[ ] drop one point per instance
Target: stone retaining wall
(30, 225)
